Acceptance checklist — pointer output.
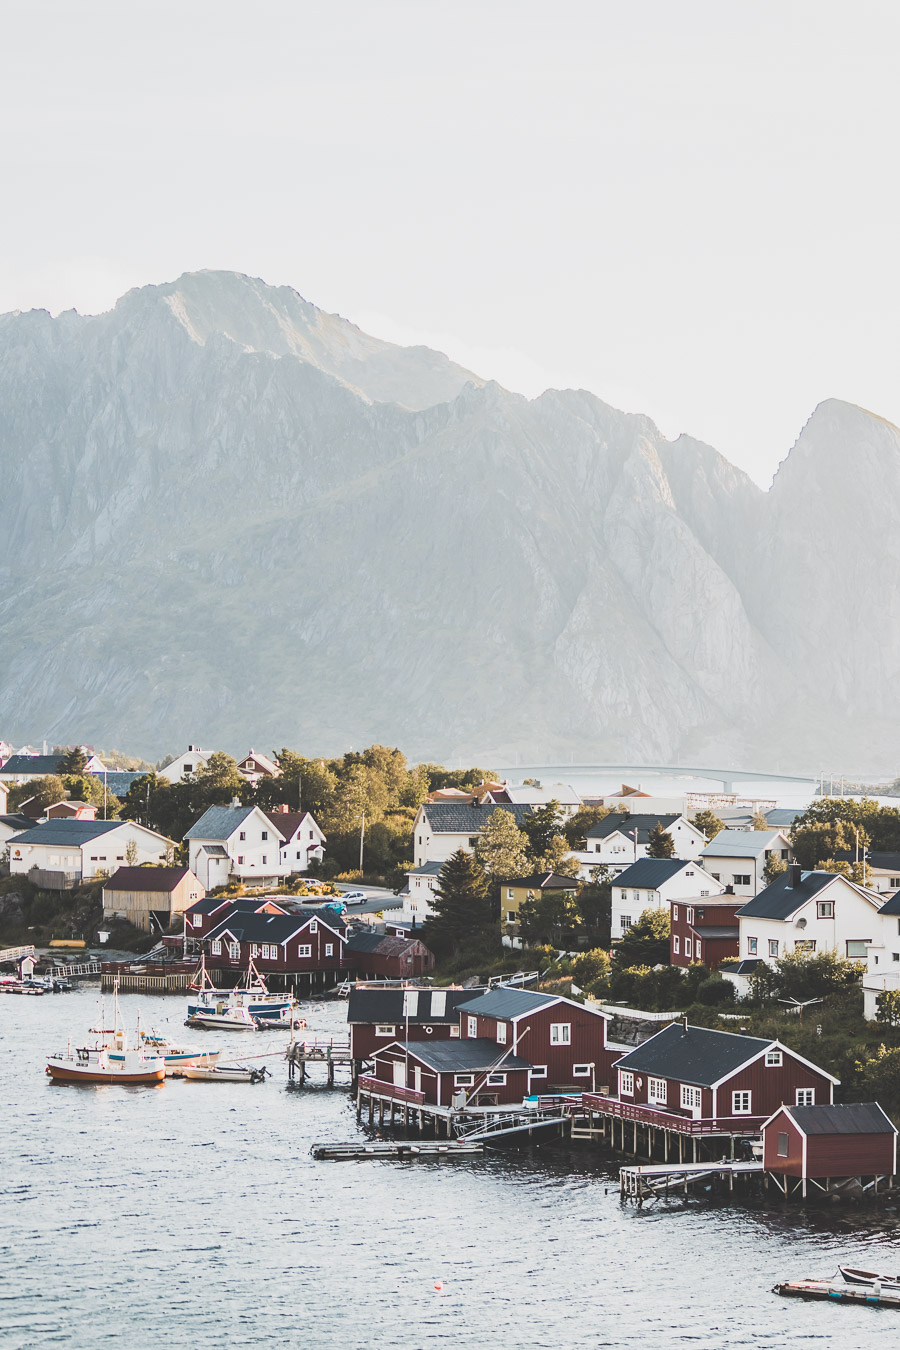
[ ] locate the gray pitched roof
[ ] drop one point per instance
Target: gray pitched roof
(779, 900)
(219, 822)
(545, 881)
(386, 1005)
(463, 818)
(463, 1056)
(429, 869)
(16, 820)
(40, 765)
(508, 1003)
(697, 1056)
(742, 843)
(891, 906)
(889, 861)
(642, 821)
(651, 873)
(72, 833)
(849, 1118)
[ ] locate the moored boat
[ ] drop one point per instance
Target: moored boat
(251, 994)
(225, 1073)
(224, 1017)
(870, 1277)
(94, 1064)
(176, 1057)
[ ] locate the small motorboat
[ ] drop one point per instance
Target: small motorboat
(251, 994)
(869, 1277)
(225, 1073)
(225, 1017)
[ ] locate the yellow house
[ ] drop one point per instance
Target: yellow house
(514, 893)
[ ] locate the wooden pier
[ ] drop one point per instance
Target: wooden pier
(406, 1150)
(390, 1105)
(329, 1052)
(865, 1295)
(660, 1181)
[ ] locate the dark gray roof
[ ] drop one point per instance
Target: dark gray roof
(275, 928)
(463, 818)
(429, 869)
(146, 879)
(779, 900)
(381, 943)
(219, 822)
(40, 765)
(507, 1003)
(651, 873)
(17, 820)
(720, 931)
(70, 832)
(697, 1056)
(386, 1005)
(891, 906)
(745, 967)
(463, 1056)
(889, 861)
(782, 817)
(643, 822)
(850, 1118)
(119, 781)
(545, 881)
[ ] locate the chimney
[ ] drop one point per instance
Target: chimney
(729, 890)
(684, 1026)
(794, 875)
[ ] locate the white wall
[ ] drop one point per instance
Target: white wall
(630, 902)
(184, 765)
(855, 920)
(103, 854)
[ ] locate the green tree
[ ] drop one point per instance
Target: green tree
(646, 942)
(464, 779)
(461, 904)
(595, 906)
(43, 791)
(218, 780)
(557, 858)
(540, 827)
(577, 826)
(660, 843)
(805, 975)
(709, 823)
(361, 790)
(73, 761)
(759, 820)
(887, 1006)
(592, 967)
(501, 848)
(550, 917)
(774, 868)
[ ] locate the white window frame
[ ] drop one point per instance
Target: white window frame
(313, 926)
(698, 954)
(691, 1097)
(581, 1070)
(676, 944)
(382, 1029)
(774, 1059)
(675, 913)
(773, 948)
(825, 909)
(454, 1033)
(687, 948)
(501, 1033)
(689, 914)
(742, 1103)
(304, 949)
(329, 949)
(784, 1145)
(496, 1080)
(464, 1080)
(805, 1096)
(560, 1033)
(216, 948)
(234, 951)
(626, 1083)
(471, 1027)
(657, 1091)
(538, 1071)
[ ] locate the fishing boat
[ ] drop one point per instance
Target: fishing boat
(870, 1277)
(225, 1017)
(225, 1073)
(176, 1057)
(837, 1291)
(251, 994)
(95, 1063)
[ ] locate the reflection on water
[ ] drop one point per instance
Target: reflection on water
(192, 1215)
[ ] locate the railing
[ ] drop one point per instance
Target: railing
(513, 981)
(666, 1120)
(82, 968)
(381, 1089)
(15, 953)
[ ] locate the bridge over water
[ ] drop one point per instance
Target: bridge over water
(629, 772)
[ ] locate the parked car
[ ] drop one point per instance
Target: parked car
(353, 897)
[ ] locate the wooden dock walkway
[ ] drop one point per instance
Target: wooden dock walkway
(658, 1180)
(331, 1052)
(403, 1149)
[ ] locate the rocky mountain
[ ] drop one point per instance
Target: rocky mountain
(228, 517)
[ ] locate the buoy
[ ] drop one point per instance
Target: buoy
(439, 1284)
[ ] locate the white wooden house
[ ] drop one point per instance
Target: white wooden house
(303, 840)
(229, 842)
(738, 858)
(620, 840)
(75, 850)
(442, 828)
(185, 765)
(653, 883)
(811, 912)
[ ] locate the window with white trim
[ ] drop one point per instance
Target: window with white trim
(689, 915)
(676, 945)
(691, 1098)
(217, 948)
(581, 1070)
(329, 949)
(740, 1103)
(825, 909)
(538, 1071)
(496, 1080)
(472, 1024)
(501, 1033)
(234, 950)
(304, 949)
(463, 1080)
(687, 948)
(625, 921)
(560, 1033)
(510, 893)
(384, 1030)
(742, 878)
(806, 1096)
(313, 925)
(752, 945)
(626, 1083)
(254, 949)
(782, 1146)
(675, 913)
(697, 952)
(774, 1059)
(657, 1091)
(454, 1032)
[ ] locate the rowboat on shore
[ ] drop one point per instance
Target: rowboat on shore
(226, 1073)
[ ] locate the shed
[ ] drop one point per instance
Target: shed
(855, 1139)
(150, 897)
(375, 955)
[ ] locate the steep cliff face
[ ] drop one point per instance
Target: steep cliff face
(227, 515)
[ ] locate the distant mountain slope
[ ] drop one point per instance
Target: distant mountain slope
(228, 517)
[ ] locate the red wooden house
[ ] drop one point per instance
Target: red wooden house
(853, 1140)
(563, 1041)
(454, 1072)
(376, 956)
(377, 1017)
(204, 915)
(282, 946)
(705, 930)
(716, 1077)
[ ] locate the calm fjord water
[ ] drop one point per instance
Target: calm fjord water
(192, 1215)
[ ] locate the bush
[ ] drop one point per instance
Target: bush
(592, 967)
(715, 992)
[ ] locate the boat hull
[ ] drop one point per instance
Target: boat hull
(72, 1073)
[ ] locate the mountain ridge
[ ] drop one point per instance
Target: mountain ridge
(209, 540)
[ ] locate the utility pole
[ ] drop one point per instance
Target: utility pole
(362, 832)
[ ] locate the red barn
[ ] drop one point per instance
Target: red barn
(705, 930)
(853, 1140)
(377, 1017)
(457, 1072)
(564, 1041)
(717, 1076)
(376, 956)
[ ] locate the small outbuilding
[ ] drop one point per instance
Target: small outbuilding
(150, 897)
(820, 1143)
(377, 956)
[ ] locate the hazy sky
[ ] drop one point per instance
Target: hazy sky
(689, 208)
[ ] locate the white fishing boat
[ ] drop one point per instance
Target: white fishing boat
(225, 1017)
(110, 1059)
(251, 994)
(225, 1073)
(177, 1057)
